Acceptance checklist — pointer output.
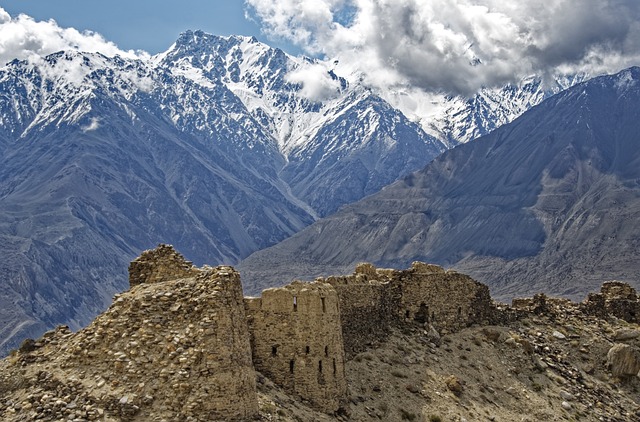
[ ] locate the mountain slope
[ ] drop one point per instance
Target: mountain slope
(103, 157)
(339, 148)
(80, 197)
(547, 203)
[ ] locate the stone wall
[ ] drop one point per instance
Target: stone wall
(372, 300)
(615, 298)
(301, 334)
(160, 264)
(176, 350)
(297, 341)
(446, 300)
(368, 307)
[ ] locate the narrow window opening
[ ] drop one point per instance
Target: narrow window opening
(291, 366)
(324, 307)
(326, 351)
(320, 366)
(334, 367)
(422, 315)
(433, 316)
(459, 310)
(307, 349)
(407, 314)
(295, 304)
(274, 350)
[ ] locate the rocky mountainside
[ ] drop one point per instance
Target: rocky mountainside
(546, 203)
(457, 120)
(212, 146)
(199, 146)
(181, 344)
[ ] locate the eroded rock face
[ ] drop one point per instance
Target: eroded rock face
(624, 360)
(167, 350)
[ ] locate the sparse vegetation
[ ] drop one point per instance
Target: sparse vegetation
(435, 418)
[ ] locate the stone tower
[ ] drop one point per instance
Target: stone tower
(160, 264)
(297, 341)
(179, 336)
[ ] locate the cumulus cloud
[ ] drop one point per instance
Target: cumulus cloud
(22, 37)
(458, 46)
(317, 83)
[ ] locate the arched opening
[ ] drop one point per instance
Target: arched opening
(274, 350)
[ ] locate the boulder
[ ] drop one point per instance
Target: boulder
(623, 360)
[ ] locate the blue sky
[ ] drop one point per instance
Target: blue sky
(150, 25)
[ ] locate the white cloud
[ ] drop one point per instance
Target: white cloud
(317, 84)
(459, 45)
(22, 37)
(93, 125)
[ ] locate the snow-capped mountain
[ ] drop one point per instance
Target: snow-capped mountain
(218, 146)
(549, 202)
(338, 149)
(201, 146)
(457, 120)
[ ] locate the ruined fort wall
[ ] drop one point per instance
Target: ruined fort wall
(160, 264)
(446, 300)
(174, 350)
(297, 341)
(367, 312)
(615, 298)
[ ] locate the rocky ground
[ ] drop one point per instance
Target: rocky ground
(552, 366)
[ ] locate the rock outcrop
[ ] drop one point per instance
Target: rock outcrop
(624, 360)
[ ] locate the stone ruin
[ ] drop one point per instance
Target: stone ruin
(160, 264)
(615, 299)
(300, 335)
(373, 300)
(173, 347)
(296, 339)
(195, 322)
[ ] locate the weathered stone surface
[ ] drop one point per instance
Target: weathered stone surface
(297, 341)
(173, 348)
(624, 360)
(159, 264)
(183, 344)
(372, 300)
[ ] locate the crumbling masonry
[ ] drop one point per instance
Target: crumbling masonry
(300, 335)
